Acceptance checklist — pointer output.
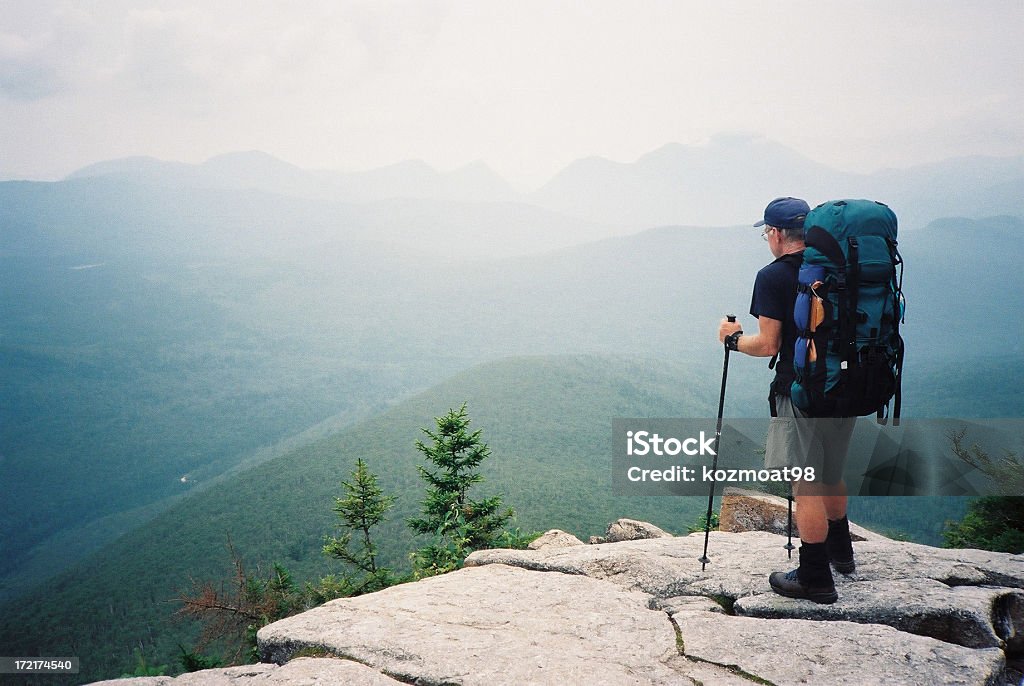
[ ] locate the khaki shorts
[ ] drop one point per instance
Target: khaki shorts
(795, 440)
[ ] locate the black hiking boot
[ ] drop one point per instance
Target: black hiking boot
(840, 546)
(812, 580)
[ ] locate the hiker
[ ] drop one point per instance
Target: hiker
(794, 440)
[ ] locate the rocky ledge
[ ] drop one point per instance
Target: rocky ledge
(644, 612)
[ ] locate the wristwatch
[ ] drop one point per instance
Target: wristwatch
(732, 341)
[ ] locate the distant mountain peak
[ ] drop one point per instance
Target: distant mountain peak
(249, 160)
(133, 166)
(477, 169)
(727, 147)
(246, 156)
(476, 166)
(404, 165)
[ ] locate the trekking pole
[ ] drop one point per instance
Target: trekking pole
(714, 465)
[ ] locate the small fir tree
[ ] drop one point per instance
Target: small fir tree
(458, 523)
(363, 507)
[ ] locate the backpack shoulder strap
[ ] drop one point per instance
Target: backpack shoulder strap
(794, 260)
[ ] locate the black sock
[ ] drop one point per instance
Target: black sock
(814, 567)
(840, 545)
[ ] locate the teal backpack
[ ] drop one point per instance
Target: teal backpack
(849, 307)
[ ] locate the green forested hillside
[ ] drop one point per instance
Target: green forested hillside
(133, 391)
(154, 338)
(152, 341)
(547, 421)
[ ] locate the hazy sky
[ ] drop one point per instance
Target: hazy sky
(525, 86)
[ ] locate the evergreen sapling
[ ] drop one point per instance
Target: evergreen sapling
(458, 523)
(363, 507)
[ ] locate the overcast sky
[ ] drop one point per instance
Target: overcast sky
(527, 87)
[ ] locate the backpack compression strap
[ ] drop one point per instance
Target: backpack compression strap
(849, 340)
(898, 318)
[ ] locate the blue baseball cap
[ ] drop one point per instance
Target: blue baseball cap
(785, 213)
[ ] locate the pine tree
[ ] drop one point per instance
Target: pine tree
(458, 523)
(363, 507)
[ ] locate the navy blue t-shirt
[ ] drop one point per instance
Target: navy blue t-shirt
(774, 296)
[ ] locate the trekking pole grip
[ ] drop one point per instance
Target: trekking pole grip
(730, 339)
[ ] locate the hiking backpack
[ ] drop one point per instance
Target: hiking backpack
(849, 354)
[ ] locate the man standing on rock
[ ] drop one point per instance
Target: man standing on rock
(794, 440)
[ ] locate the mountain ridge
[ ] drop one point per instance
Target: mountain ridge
(706, 184)
(671, 184)
(255, 169)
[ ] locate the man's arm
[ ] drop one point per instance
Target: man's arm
(765, 343)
